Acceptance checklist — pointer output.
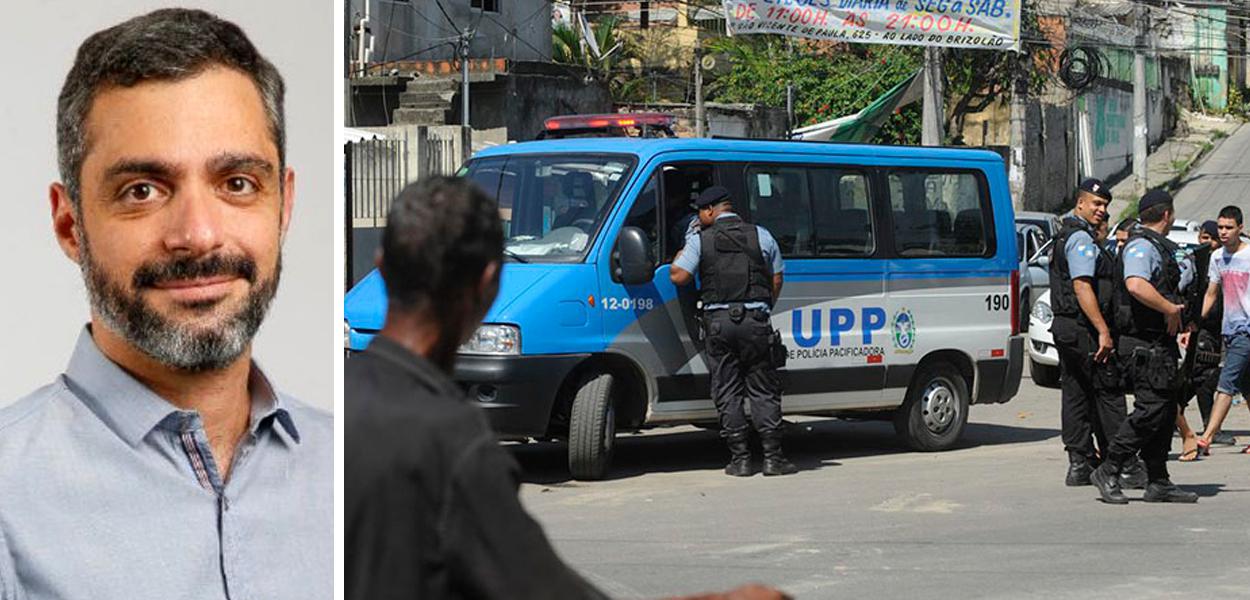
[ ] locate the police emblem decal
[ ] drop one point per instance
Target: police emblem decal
(904, 331)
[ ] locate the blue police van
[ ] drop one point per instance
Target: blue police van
(901, 286)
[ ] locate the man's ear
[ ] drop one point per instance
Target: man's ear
(488, 285)
(65, 224)
(288, 199)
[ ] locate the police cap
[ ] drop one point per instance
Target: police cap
(1096, 187)
(1153, 198)
(711, 196)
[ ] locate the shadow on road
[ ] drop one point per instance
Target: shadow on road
(809, 444)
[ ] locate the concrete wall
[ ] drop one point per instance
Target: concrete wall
(530, 93)
(401, 29)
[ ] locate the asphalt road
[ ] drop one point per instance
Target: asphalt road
(1221, 179)
(867, 519)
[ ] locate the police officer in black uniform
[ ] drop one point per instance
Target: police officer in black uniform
(741, 279)
(1148, 312)
(1082, 283)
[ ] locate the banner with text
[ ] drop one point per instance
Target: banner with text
(988, 24)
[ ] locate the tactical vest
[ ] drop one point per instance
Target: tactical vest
(732, 264)
(1063, 301)
(1132, 317)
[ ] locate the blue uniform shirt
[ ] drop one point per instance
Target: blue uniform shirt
(1082, 253)
(1142, 259)
(689, 259)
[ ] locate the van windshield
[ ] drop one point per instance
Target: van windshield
(552, 205)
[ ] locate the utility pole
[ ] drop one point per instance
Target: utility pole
(698, 89)
(1140, 123)
(363, 50)
(465, 38)
(933, 112)
(1019, 112)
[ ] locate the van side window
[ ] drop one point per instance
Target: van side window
(682, 183)
(939, 214)
(643, 213)
(779, 200)
(842, 215)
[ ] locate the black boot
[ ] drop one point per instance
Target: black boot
(1079, 469)
(775, 462)
(739, 455)
(1163, 490)
(1107, 479)
(1133, 475)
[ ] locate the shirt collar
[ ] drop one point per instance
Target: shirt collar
(419, 366)
(132, 410)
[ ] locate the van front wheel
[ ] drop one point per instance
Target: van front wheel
(592, 427)
(936, 408)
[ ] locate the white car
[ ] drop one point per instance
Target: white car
(1186, 225)
(1043, 357)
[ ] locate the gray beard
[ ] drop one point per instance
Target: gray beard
(171, 343)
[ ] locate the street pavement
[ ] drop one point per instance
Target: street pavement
(1221, 179)
(868, 519)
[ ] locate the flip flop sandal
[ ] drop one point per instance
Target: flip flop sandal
(1245, 450)
(1204, 447)
(1188, 456)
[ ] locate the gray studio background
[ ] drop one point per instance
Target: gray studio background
(42, 302)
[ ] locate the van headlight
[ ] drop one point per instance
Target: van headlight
(1041, 312)
(495, 340)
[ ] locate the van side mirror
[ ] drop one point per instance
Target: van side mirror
(632, 263)
(1041, 260)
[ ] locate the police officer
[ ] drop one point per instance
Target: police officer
(1082, 276)
(1148, 315)
(742, 276)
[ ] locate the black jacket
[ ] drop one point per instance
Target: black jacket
(432, 508)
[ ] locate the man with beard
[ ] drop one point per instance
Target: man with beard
(163, 463)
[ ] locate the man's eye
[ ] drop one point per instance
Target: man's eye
(141, 192)
(240, 185)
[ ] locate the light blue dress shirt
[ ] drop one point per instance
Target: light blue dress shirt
(108, 492)
(689, 259)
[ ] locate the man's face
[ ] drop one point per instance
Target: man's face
(1092, 208)
(182, 216)
(1205, 238)
(1230, 232)
(1121, 238)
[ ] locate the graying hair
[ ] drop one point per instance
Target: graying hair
(165, 45)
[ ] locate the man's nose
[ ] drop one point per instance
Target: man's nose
(194, 221)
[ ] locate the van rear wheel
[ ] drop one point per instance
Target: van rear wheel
(592, 427)
(936, 408)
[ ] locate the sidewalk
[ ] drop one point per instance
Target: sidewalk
(1168, 165)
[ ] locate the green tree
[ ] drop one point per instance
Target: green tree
(830, 80)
